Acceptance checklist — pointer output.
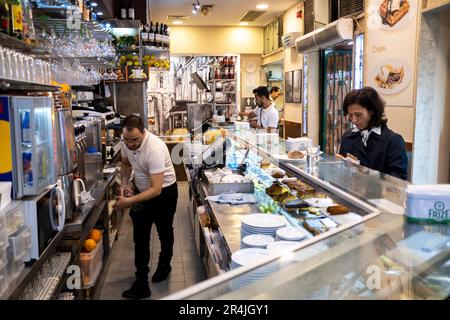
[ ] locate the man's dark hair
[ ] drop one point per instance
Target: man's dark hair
(274, 89)
(369, 99)
(261, 91)
(133, 121)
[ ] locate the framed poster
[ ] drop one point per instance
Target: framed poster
(297, 86)
(119, 74)
(138, 73)
(288, 97)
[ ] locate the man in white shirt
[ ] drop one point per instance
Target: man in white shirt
(266, 113)
(154, 201)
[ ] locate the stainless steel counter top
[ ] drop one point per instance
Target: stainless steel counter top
(228, 218)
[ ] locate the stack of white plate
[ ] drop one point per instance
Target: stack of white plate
(261, 223)
(290, 234)
(284, 248)
(280, 246)
(250, 256)
(256, 241)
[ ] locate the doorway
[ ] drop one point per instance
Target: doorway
(337, 82)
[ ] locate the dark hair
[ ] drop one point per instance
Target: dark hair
(274, 89)
(369, 99)
(261, 91)
(133, 121)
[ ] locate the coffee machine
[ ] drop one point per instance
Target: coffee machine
(80, 148)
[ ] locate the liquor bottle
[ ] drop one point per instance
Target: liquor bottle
(157, 36)
(151, 35)
(16, 19)
(5, 16)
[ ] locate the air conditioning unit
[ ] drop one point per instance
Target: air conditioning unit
(326, 37)
(288, 39)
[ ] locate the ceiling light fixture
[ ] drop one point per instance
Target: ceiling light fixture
(99, 13)
(177, 22)
(243, 23)
(94, 4)
(262, 6)
(195, 7)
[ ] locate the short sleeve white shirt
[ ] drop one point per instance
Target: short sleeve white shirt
(267, 117)
(152, 157)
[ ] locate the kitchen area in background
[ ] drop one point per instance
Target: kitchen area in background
(308, 224)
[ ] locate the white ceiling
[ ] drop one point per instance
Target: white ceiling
(224, 13)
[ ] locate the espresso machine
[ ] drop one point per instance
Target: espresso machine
(80, 148)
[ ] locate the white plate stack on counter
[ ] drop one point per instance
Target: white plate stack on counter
(256, 241)
(290, 234)
(260, 223)
(248, 257)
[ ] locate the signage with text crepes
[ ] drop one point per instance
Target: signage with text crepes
(391, 49)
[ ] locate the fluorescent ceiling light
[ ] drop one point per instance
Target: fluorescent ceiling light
(243, 23)
(94, 4)
(262, 6)
(177, 22)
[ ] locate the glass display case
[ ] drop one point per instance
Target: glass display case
(382, 257)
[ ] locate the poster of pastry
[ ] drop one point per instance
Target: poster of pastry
(391, 76)
(389, 50)
(396, 14)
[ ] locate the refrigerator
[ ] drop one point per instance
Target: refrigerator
(27, 155)
(66, 156)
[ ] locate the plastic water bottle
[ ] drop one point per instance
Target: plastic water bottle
(27, 168)
(26, 129)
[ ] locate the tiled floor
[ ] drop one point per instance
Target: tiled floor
(186, 267)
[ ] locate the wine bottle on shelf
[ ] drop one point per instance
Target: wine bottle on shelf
(168, 37)
(123, 11)
(151, 35)
(157, 37)
(131, 13)
(232, 69)
(5, 16)
(162, 36)
(144, 34)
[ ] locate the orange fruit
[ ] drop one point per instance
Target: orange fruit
(89, 245)
(95, 235)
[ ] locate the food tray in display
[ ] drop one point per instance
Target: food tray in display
(216, 188)
(285, 158)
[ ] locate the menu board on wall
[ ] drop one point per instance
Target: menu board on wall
(391, 49)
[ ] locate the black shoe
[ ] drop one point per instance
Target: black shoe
(137, 291)
(161, 273)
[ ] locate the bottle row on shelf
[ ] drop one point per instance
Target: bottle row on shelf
(155, 35)
(16, 19)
